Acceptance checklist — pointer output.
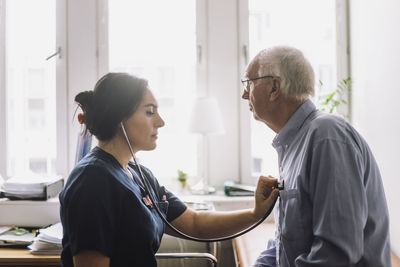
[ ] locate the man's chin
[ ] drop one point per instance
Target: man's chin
(256, 117)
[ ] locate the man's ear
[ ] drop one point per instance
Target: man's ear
(275, 90)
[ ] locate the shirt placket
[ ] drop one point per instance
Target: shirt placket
(280, 151)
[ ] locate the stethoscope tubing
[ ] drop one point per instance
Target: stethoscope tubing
(180, 233)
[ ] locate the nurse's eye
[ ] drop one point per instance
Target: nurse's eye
(150, 112)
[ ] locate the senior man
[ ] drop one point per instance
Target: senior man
(333, 210)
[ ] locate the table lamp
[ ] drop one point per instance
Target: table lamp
(206, 119)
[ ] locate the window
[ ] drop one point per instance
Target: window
(309, 25)
(185, 48)
(157, 40)
(30, 86)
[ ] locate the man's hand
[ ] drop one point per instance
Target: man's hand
(265, 195)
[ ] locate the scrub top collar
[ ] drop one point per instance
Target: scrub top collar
(131, 167)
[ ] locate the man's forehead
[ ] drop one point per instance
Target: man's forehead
(252, 69)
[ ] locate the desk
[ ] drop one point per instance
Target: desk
(22, 257)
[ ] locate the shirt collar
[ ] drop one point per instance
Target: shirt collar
(296, 121)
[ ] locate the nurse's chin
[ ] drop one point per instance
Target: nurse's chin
(150, 147)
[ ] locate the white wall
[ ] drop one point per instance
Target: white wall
(375, 61)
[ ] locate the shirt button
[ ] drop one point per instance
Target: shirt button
(286, 146)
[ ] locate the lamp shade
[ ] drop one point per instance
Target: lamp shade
(206, 117)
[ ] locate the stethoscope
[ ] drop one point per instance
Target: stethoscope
(279, 186)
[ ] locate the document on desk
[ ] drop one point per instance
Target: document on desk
(52, 234)
(16, 237)
(48, 242)
(4, 229)
(199, 205)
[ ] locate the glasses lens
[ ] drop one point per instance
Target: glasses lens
(245, 85)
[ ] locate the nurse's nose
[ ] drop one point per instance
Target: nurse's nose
(160, 121)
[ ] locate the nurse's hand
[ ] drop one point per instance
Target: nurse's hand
(265, 195)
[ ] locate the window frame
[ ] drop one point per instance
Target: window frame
(62, 147)
(202, 87)
(3, 109)
(201, 42)
(219, 70)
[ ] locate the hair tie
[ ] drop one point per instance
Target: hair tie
(80, 118)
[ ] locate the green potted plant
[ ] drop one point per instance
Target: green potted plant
(182, 178)
(333, 100)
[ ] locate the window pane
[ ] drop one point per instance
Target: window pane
(30, 86)
(309, 25)
(156, 39)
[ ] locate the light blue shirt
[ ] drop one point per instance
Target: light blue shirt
(333, 210)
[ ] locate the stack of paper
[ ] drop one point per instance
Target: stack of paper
(29, 186)
(10, 236)
(48, 241)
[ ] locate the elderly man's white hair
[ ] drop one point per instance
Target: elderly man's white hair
(289, 63)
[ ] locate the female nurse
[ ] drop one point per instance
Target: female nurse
(105, 211)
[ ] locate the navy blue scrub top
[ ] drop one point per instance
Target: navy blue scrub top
(102, 209)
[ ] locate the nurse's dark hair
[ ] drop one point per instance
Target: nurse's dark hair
(115, 97)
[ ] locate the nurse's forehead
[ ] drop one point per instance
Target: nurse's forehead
(149, 100)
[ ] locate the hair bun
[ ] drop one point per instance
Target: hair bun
(84, 99)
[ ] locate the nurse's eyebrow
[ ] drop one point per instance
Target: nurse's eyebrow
(151, 105)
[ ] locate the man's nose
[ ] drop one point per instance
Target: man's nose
(245, 95)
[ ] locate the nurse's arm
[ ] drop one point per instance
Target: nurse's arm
(91, 258)
(203, 224)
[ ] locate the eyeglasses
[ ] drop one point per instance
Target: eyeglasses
(246, 82)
